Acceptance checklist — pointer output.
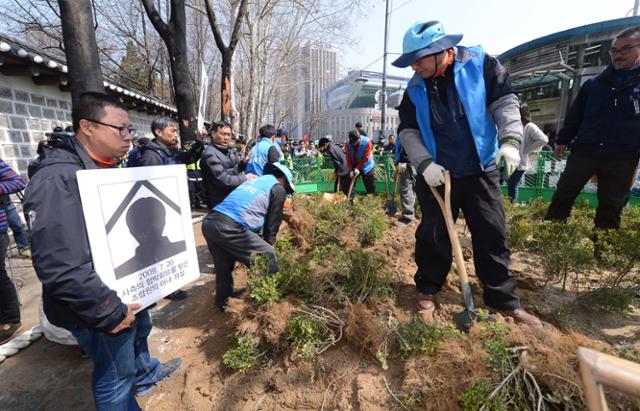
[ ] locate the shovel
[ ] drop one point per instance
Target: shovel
(390, 204)
(465, 318)
(356, 174)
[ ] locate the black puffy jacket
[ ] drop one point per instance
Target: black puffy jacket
(605, 117)
(220, 167)
(73, 294)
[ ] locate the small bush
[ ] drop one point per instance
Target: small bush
(476, 396)
(264, 289)
(369, 219)
(608, 300)
(242, 354)
(416, 337)
(369, 277)
(563, 248)
(308, 335)
(295, 276)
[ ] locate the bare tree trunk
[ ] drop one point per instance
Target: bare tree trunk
(81, 49)
(227, 53)
(174, 35)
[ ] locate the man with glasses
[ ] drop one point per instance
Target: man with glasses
(73, 294)
(603, 130)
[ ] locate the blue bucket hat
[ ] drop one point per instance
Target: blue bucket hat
(424, 38)
(277, 168)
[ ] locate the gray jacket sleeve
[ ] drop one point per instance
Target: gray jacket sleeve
(505, 112)
(222, 178)
(413, 146)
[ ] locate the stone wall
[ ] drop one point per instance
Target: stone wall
(28, 111)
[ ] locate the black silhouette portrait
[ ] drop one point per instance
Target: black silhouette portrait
(146, 220)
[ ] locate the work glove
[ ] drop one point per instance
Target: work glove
(434, 175)
(508, 157)
(402, 167)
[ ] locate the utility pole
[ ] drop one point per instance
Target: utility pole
(383, 96)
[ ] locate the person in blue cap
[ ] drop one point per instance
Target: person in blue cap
(265, 151)
(459, 113)
(231, 229)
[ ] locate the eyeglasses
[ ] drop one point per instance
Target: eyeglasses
(123, 130)
(623, 50)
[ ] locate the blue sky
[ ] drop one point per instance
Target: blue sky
(496, 24)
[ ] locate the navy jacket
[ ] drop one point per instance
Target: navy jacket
(73, 294)
(605, 117)
(221, 168)
(339, 159)
(151, 153)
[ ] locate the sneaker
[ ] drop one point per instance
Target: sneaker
(169, 369)
(178, 295)
(9, 331)
(403, 221)
(24, 252)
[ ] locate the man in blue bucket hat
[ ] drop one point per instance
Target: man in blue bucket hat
(459, 113)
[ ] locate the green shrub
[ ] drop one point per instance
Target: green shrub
(476, 396)
(563, 248)
(308, 335)
(242, 354)
(368, 278)
(371, 230)
(416, 337)
(295, 276)
(264, 289)
(608, 300)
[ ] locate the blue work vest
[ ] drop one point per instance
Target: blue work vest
(248, 203)
(369, 164)
(469, 82)
(259, 156)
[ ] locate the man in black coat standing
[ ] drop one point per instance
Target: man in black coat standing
(221, 165)
(603, 129)
(341, 172)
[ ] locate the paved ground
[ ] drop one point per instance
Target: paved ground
(49, 376)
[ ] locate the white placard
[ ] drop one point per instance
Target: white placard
(140, 231)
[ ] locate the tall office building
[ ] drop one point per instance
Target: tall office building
(316, 70)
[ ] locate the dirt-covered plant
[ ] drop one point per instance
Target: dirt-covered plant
(618, 250)
(243, 353)
(262, 285)
(476, 397)
(563, 248)
(331, 219)
(308, 336)
(369, 219)
(518, 225)
(416, 337)
(369, 277)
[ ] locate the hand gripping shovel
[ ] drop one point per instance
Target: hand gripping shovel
(390, 204)
(465, 318)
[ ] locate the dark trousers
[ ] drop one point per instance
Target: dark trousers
(9, 306)
(196, 188)
(614, 183)
(369, 181)
(229, 242)
(344, 184)
(480, 200)
(514, 183)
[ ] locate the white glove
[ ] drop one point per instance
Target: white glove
(433, 175)
(402, 167)
(510, 156)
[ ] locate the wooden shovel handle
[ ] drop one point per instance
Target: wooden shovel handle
(329, 182)
(445, 206)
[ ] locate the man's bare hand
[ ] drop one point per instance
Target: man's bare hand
(250, 176)
(128, 320)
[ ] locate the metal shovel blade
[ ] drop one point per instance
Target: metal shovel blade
(468, 316)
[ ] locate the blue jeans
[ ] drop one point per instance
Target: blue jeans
(122, 364)
(513, 183)
(19, 232)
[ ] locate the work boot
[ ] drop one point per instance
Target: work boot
(523, 317)
(9, 331)
(169, 369)
(425, 302)
(239, 293)
(403, 221)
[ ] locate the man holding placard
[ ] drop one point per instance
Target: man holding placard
(74, 295)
